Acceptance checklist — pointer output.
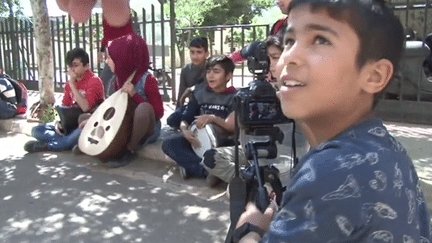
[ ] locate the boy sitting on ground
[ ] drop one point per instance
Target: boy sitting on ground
(209, 104)
(84, 90)
(357, 183)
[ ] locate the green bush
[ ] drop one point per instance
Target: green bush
(48, 114)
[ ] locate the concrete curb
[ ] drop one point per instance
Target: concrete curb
(153, 151)
(17, 125)
(20, 124)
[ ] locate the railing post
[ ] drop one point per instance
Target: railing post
(153, 21)
(162, 35)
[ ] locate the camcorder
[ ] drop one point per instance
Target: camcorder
(257, 104)
(257, 110)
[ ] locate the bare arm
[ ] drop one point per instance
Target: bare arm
(185, 95)
(116, 12)
(227, 124)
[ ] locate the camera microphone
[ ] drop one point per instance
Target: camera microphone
(256, 54)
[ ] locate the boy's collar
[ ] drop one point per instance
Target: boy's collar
(226, 90)
(202, 65)
(87, 74)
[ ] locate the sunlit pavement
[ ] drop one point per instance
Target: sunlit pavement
(61, 197)
(417, 139)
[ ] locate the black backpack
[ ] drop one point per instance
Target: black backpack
(20, 94)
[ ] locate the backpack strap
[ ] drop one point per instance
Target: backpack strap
(140, 86)
(22, 106)
(144, 78)
(17, 88)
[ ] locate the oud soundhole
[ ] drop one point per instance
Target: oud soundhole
(109, 114)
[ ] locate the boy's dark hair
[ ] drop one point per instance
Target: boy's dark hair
(199, 42)
(275, 40)
(380, 32)
(77, 53)
(226, 63)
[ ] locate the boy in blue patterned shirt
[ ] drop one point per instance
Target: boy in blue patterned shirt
(357, 183)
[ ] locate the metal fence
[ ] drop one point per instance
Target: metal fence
(18, 48)
(223, 39)
(408, 98)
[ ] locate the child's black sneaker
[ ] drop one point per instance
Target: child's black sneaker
(35, 146)
(184, 173)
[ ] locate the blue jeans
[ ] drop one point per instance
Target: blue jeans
(7, 110)
(180, 150)
(56, 142)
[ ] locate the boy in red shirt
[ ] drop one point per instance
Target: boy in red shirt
(84, 90)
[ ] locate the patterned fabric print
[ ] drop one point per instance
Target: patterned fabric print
(359, 187)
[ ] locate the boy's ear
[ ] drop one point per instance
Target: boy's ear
(229, 76)
(379, 74)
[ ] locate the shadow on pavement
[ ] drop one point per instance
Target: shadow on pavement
(47, 197)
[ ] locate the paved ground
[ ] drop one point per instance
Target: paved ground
(60, 197)
(92, 194)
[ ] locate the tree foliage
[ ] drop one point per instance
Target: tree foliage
(217, 12)
(258, 32)
(199, 13)
(10, 8)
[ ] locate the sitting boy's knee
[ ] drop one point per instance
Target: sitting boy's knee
(144, 109)
(35, 131)
(209, 158)
(166, 146)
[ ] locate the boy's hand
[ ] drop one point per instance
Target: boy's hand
(72, 78)
(185, 95)
(58, 128)
(129, 88)
(82, 124)
(202, 120)
(192, 139)
(254, 216)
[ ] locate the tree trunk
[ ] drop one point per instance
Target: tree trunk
(43, 51)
